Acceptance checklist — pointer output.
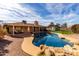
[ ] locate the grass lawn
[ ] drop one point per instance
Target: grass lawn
(64, 32)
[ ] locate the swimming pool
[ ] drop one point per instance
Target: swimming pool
(49, 40)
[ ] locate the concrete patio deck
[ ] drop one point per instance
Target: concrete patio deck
(28, 47)
(72, 37)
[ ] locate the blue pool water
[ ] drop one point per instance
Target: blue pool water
(49, 40)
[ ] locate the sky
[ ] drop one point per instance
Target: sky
(42, 12)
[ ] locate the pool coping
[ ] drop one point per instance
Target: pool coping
(29, 48)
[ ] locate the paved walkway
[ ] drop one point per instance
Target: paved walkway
(14, 48)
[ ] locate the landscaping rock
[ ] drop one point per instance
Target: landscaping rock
(59, 51)
(76, 47)
(67, 49)
(52, 51)
(76, 52)
(47, 52)
(43, 47)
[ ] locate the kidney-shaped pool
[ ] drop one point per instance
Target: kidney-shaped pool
(49, 40)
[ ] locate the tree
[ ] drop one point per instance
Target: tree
(36, 23)
(2, 32)
(57, 27)
(24, 21)
(75, 28)
(64, 25)
(51, 24)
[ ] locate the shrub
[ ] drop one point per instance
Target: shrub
(2, 32)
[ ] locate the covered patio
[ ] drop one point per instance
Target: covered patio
(20, 29)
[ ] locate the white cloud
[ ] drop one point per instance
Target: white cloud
(70, 19)
(56, 16)
(15, 12)
(69, 15)
(10, 14)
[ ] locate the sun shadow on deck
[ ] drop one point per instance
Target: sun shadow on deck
(3, 44)
(21, 35)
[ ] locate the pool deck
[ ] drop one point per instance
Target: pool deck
(72, 37)
(28, 47)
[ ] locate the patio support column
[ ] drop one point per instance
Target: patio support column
(39, 29)
(13, 30)
(33, 29)
(28, 29)
(22, 29)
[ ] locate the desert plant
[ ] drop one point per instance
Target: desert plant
(2, 32)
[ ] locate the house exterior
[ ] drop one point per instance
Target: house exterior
(63, 28)
(20, 27)
(51, 27)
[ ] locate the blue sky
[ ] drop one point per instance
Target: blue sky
(42, 12)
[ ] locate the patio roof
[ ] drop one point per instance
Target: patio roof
(22, 24)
